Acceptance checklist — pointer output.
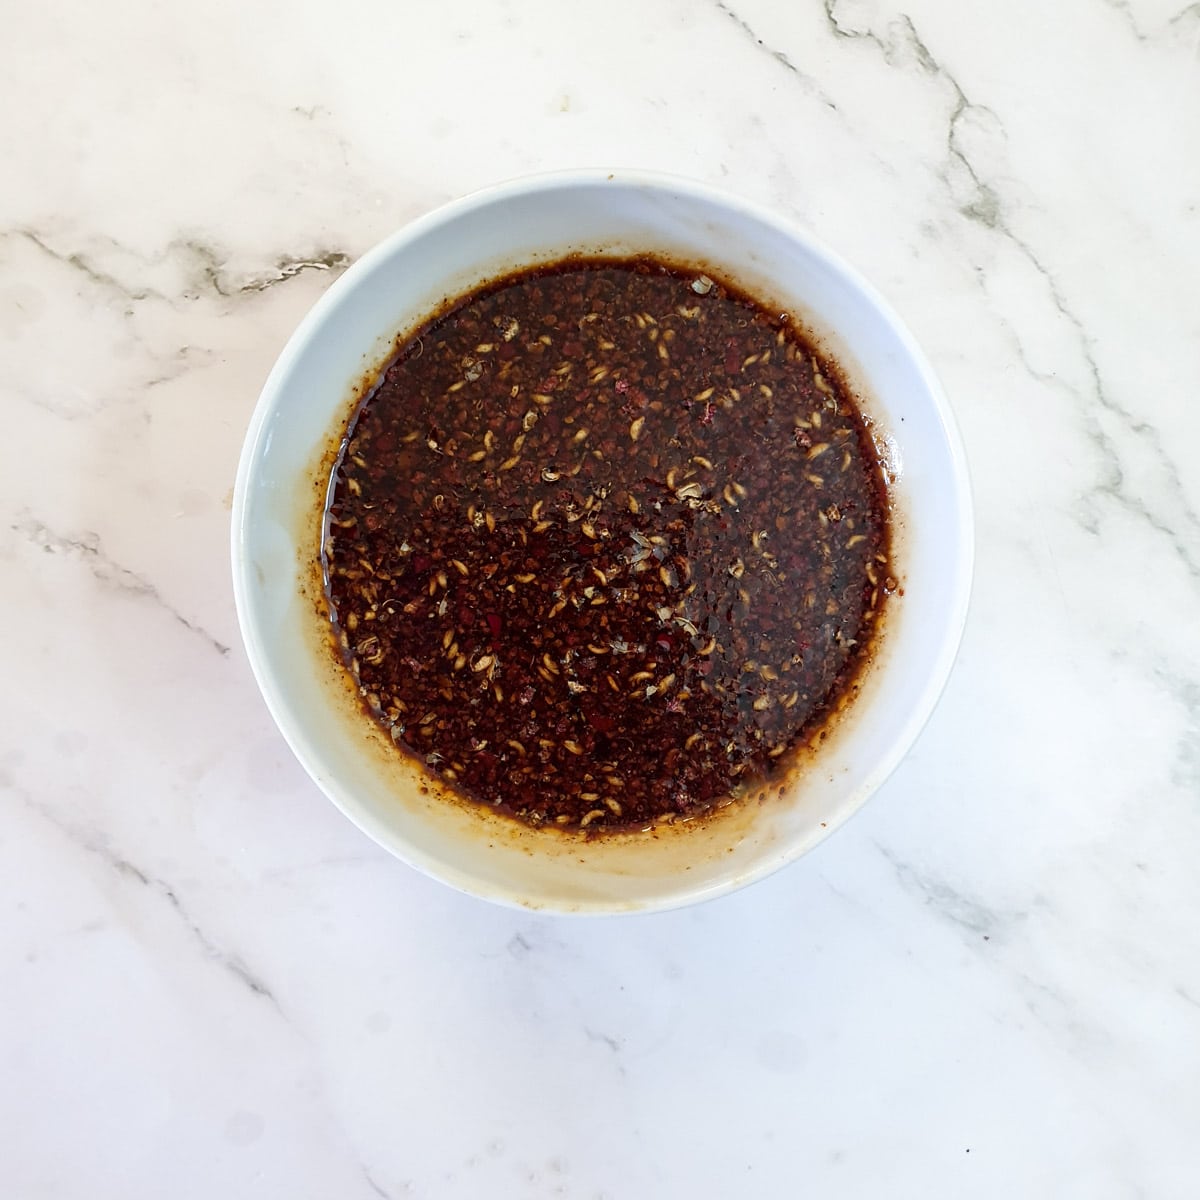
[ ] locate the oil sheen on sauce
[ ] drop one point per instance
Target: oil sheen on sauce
(606, 543)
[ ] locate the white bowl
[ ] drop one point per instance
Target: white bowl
(280, 492)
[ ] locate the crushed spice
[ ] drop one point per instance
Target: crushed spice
(606, 541)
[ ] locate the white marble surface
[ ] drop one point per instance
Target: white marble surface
(988, 985)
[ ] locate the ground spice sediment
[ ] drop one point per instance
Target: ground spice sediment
(605, 543)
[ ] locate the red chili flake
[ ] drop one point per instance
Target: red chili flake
(635, 401)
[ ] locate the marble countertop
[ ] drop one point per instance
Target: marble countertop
(987, 985)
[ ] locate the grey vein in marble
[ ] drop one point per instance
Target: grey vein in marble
(1125, 9)
(79, 262)
(1185, 768)
(949, 902)
(1114, 486)
(125, 869)
(606, 1039)
(374, 1186)
(599, 1038)
(288, 267)
(88, 549)
(778, 55)
(210, 270)
(214, 267)
(987, 210)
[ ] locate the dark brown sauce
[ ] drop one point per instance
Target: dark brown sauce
(607, 543)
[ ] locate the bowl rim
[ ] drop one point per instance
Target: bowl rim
(940, 667)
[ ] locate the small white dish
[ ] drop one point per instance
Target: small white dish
(280, 491)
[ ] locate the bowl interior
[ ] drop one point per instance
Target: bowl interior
(348, 333)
